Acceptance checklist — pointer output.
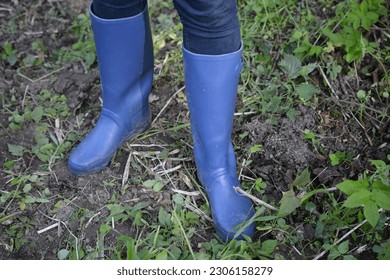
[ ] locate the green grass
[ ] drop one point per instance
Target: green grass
(297, 55)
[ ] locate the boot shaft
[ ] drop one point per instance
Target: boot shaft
(124, 51)
(211, 88)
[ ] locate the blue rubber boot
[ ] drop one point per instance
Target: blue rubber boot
(211, 88)
(124, 50)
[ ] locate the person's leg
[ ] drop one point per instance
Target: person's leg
(212, 64)
(209, 27)
(114, 9)
(125, 56)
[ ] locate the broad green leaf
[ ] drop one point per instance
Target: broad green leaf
(139, 206)
(291, 66)
(268, 246)
(306, 91)
(37, 114)
(349, 186)
(302, 179)
(357, 198)
(163, 255)
(16, 150)
(274, 104)
(9, 164)
(343, 247)
(62, 254)
(378, 163)
(292, 114)
(288, 203)
(42, 200)
(164, 217)
(371, 212)
(156, 185)
(381, 198)
(334, 159)
(255, 148)
(307, 69)
(27, 188)
(90, 58)
(104, 229)
(115, 209)
(379, 185)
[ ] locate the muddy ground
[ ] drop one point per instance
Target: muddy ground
(285, 152)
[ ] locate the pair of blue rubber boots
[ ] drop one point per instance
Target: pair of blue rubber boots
(125, 55)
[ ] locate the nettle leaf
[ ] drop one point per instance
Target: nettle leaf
(381, 198)
(291, 66)
(288, 203)
(371, 212)
(349, 186)
(357, 198)
(16, 150)
(292, 114)
(306, 91)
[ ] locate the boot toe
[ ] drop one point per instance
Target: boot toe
(80, 164)
(231, 211)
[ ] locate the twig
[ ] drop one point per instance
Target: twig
(127, 170)
(150, 145)
(341, 239)
(194, 193)
(42, 77)
(74, 236)
(90, 220)
(150, 171)
(328, 83)
(166, 171)
(24, 97)
(48, 228)
(166, 105)
(245, 114)
(255, 199)
(199, 212)
(364, 129)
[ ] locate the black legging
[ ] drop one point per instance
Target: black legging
(209, 26)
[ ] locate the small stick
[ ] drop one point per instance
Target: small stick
(245, 114)
(194, 193)
(166, 105)
(166, 171)
(255, 199)
(42, 77)
(48, 228)
(90, 220)
(199, 212)
(24, 97)
(127, 170)
(341, 239)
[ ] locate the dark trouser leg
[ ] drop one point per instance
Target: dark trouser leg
(114, 9)
(209, 26)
